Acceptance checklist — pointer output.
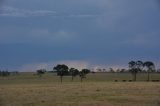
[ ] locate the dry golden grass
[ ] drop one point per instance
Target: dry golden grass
(98, 89)
(81, 94)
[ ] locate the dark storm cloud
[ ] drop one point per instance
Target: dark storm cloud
(96, 31)
(158, 1)
(1, 4)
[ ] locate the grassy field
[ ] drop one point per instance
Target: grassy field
(98, 89)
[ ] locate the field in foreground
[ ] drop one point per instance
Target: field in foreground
(33, 91)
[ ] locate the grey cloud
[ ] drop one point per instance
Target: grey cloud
(106, 31)
(83, 16)
(149, 39)
(46, 36)
(35, 36)
(1, 4)
(15, 12)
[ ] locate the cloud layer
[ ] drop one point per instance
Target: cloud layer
(103, 32)
(15, 12)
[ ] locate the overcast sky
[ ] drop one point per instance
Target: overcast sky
(81, 33)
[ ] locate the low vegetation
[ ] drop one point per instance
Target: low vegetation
(98, 89)
(132, 87)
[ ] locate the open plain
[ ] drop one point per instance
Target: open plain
(99, 89)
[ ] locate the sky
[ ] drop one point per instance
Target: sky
(37, 34)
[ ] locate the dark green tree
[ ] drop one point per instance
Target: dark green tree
(86, 71)
(83, 73)
(132, 69)
(4, 73)
(150, 68)
(74, 72)
(135, 67)
(62, 70)
(111, 70)
(41, 72)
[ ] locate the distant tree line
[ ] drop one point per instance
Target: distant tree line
(4, 73)
(64, 70)
(134, 68)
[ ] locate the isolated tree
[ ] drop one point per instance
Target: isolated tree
(74, 72)
(62, 70)
(86, 71)
(122, 70)
(150, 68)
(41, 72)
(132, 69)
(118, 70)
(111, 70)
(83, 73)
(135, 67)
(99, 70)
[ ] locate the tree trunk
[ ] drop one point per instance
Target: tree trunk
(61, 78)
(148, 78)
(72, 78)
(81, 79)
(135, 77)
(132, 76)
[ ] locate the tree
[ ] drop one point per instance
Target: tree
(132, 69)
(62, 70)
(41, 72)
(139, 65)
(111, 70)
(150, 68)
(135, 67)
(83, 73)
(4, 73)
(74, 72)
(122, 70)
(86, 71)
